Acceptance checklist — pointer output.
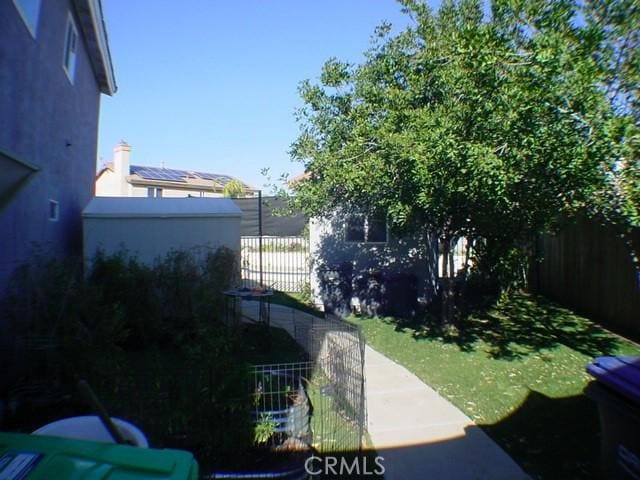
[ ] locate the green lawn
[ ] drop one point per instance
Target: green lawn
(295, 300)
(518, 370)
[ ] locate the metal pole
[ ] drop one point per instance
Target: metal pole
(260, 235)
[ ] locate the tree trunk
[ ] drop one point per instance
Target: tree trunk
(452, 262)
(446, 285)
(467, 258)
(445, 258)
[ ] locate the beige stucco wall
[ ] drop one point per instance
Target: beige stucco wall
(109, 184)
(148, 238)
(137, 191)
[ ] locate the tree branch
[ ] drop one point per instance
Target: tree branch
(573, 115)
(372, 146)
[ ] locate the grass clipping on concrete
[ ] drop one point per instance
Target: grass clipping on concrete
(516, 369)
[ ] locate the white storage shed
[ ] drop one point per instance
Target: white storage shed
(151, 227)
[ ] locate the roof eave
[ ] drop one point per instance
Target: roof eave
(146, 182)
(95, 33)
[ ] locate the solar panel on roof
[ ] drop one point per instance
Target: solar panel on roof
(154, 173)
(221, 179)
(169, 174)
(205, 176)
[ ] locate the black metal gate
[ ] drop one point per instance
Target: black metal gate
(281, 263)
(274, 250)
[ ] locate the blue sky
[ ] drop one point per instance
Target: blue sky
(211, 85)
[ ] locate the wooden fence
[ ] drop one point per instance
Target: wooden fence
(590, 269)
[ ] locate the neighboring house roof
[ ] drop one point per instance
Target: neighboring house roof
(95, 34)
(299, 178)
(107, 166)
(184, 179)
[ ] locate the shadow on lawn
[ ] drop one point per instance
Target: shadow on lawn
(516, 327)
(549, 438)
(552, 437)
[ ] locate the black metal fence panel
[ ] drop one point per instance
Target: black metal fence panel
(293, 408)
(320, 403)
(281, 263)
(277, 218)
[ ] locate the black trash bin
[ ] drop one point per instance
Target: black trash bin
(617, 391)
(400, 295)
(335, 285)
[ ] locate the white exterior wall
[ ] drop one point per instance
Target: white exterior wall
(150, 238)
(149, 228)
(137, 191)
(408, 254)
(107, 185)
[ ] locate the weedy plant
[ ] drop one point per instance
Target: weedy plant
(265, 428)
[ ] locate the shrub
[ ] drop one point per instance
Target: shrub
(190, 288)
(58, 325)
(128, 286)
(121, 304)
(151, 340)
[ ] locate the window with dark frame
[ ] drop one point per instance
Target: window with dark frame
(377, 228)
(370, 228)
(355, 229)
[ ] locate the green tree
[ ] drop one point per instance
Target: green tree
(234, 188)
(464, 126)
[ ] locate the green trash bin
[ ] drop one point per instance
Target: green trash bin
(35, 457)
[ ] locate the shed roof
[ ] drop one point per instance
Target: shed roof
(145, 207)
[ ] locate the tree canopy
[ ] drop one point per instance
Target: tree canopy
(234, 188)
(484, 127)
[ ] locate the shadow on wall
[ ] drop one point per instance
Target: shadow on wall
(403, 263)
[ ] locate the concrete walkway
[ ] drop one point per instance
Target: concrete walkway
(420, 434)
(423, 436)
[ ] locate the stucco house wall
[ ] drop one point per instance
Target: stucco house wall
(149, 228)
(173, 193)
(414, 254)
(50, 123)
